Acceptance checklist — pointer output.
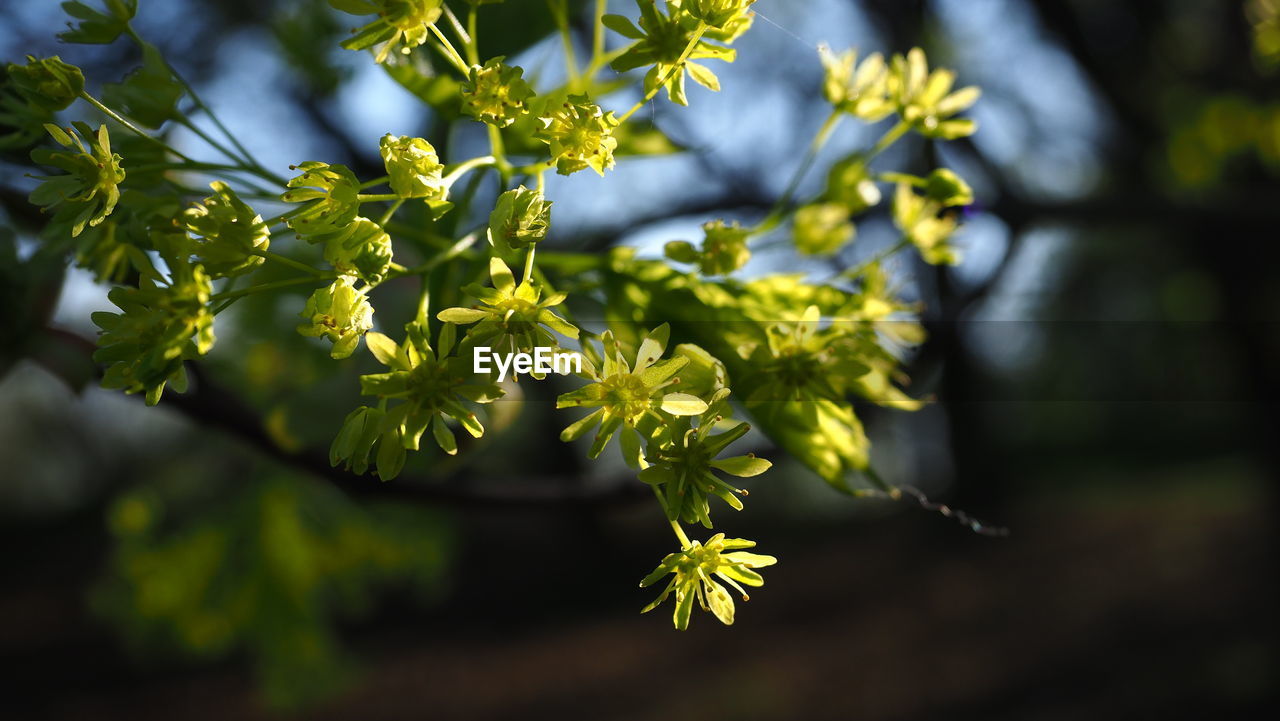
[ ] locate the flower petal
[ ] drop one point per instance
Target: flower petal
(742, 466)
(683, 404)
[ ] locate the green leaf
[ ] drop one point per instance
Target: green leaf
(96, 27)
(630, 444)
(149, 94)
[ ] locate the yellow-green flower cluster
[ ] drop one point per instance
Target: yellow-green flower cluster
(230, 236)
(340, 313)
(859, 89)
(580, 135)
(925, 100)
(925, 219)
(697, 571)
(724, 249)
(681, 459)
(361, 249)
(822, 228)
(159, 325)
(403, 24)
(89, 189)
(670, 41)
(624, 394)
(496, 93)
(431, 386)
(413, 167)
(513, 318)
(718, 13)
(335, 192)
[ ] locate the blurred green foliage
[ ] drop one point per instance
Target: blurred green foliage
(265, 571)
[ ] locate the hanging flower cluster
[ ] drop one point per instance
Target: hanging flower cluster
(179, 256)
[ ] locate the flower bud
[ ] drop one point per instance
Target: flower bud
(849, 184)
(947, 188)
(682, 251)
(724, 249)
(337, 189)
(362, 249)
(47, 83)
(717, 13)
(413, 166)
(822, 228)
(228, 232)
(519, 218)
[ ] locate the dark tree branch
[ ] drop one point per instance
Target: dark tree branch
(212, 406)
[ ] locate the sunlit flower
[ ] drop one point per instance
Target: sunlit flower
(340, 313)
(88, 191)
(693, 570)
(580, 134)
(495, 93)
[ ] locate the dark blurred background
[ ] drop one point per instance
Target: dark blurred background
(1104, 364)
